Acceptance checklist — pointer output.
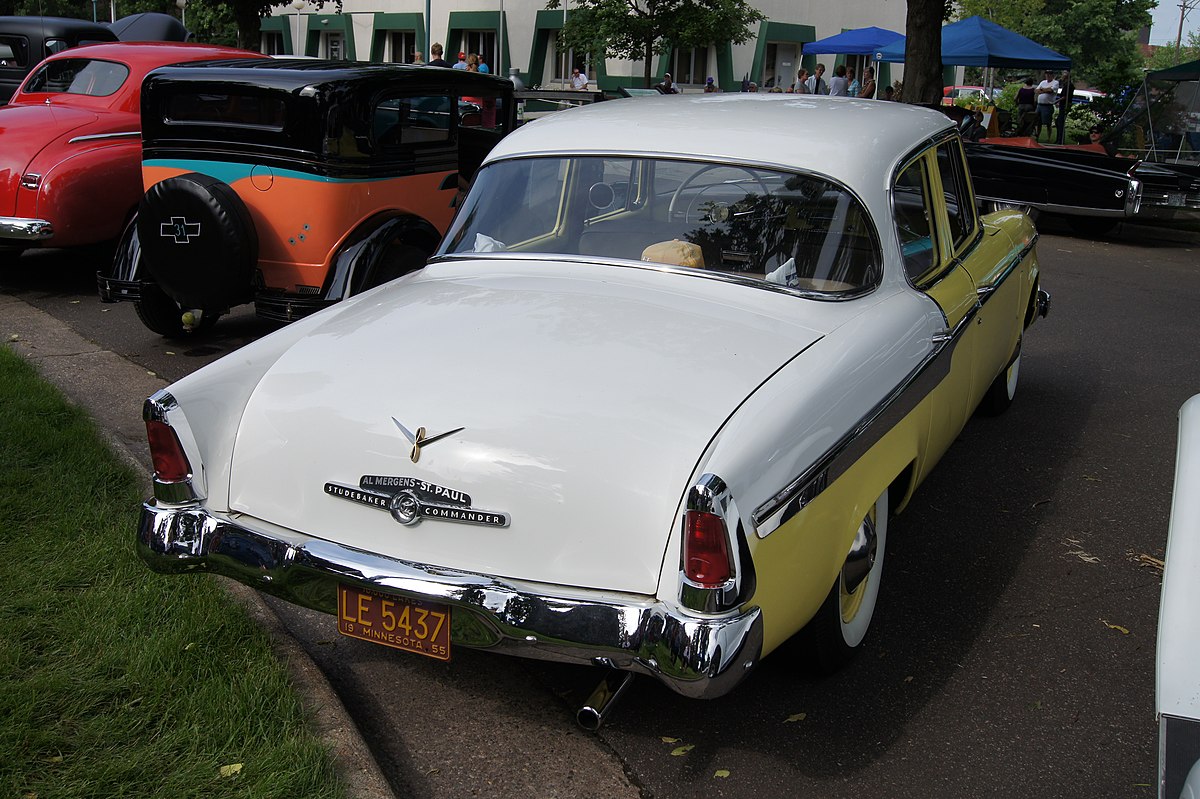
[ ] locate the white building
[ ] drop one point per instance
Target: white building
(395, 30)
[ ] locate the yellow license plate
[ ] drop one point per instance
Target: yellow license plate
(395, 621)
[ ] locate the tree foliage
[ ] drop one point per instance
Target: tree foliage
(1166, 56)
(1099, 36)
(232, 22)
(638, 29)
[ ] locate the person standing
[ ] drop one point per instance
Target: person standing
(854, 86)
(868, 88)
(1066, 90)
(437, 60)
(838, 84)
(461, 63)
(816, 84)
(483, 67)
(1047, 95)
(801, 86)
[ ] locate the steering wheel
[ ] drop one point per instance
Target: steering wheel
(673, 212)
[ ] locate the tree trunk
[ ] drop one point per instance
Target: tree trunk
(248, 21)
(923, 52)
(649, 64)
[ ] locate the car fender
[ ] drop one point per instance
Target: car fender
(355, 262)
(88, 195)
(798, 545)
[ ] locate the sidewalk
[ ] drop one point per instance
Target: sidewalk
(111, 389)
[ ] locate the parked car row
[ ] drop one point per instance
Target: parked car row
(757, 358)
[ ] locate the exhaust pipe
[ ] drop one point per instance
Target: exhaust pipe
(597, 707)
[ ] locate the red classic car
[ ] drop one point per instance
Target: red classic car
(71, 160)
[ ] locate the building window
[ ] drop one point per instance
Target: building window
(401, 47)
(484, 44)
(272, 43)
(689, 66)
(566, 60)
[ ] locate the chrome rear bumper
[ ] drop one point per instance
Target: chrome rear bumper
(13, 227)
(697, 656)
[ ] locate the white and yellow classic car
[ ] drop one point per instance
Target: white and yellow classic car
(649, 407)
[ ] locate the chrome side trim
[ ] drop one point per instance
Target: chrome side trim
(125, 134)
(1065, 210)
(698, 657)
(13, 227)
(789, 501)
(786, 503)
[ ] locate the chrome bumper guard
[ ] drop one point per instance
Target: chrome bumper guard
(701, 657)
(1043, 303)
(15, 227)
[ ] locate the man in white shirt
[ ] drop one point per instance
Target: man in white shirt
(1047, 95)
(816, 85)
(579, 80)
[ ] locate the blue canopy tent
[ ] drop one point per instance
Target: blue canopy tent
(860, 41)
(977, 42)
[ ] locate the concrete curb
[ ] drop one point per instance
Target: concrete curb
(111, 390)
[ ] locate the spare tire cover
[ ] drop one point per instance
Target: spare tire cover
(198, 241)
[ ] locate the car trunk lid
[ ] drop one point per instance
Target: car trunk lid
(575, 405)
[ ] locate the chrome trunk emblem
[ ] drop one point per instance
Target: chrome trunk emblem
(420, 439)
(410, 500)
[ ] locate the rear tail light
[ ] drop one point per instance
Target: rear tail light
(170, 463)
(706, 550)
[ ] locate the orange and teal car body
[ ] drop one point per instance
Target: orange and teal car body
(293, 184)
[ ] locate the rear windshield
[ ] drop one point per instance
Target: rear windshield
(86, 76)
(786, 229)
(224, 109)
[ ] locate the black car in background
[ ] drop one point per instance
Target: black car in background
(25, 41)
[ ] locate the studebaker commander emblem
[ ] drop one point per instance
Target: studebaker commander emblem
(420, 439)
(410, 500)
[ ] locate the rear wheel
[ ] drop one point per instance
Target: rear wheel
(397, 259)
(836, 633)
(164, 316)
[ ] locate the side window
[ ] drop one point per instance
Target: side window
(914, 220)
(15, 51)
(412, 120)
(960, 206)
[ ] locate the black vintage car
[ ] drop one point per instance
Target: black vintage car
(293, 184)
(25, 41)
(1093, 190)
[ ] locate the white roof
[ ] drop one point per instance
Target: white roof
(855, 141)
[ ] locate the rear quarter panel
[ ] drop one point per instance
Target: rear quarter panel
(301, 218)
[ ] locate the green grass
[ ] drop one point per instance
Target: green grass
(116, 681)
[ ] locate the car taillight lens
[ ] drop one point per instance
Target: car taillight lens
(705, 549)
(170, 463)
